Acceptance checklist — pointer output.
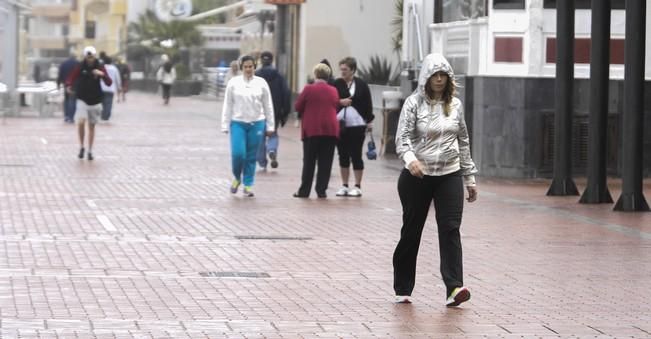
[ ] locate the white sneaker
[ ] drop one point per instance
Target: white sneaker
(403, 299)
(458, 296)
(355, 192)
(342, 192)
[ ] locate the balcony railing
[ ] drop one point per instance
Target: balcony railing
(47, 42)
(51, 8)
(462, 43)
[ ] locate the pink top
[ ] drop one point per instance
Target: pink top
(318, 104)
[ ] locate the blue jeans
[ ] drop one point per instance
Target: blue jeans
(69, 106)
(267, 145)
(107, 105)
(245, 140)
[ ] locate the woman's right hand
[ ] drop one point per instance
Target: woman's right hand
(346, 102)
(416, 169)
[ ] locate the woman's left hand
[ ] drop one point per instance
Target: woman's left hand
(269, 133)
(472, 193)
(369, 127)
(346, 102)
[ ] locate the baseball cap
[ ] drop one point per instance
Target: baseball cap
(266, 56)
(90, 50)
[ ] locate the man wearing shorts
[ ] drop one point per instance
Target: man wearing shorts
(86, 77)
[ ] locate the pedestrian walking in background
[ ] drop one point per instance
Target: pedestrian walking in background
(69, 99)
(233, 71)
(110, 91)
(37, 73)
(331, 78)
(280, 97)
(53, 72)
(357, 113)
(125, 76)
(102, 56)
(432, 140)
(87, 76)
(166, 76)
(247, 112)
(317, 104)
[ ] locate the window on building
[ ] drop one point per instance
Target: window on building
(585, 4)
(508, 4)
(90, 30)
(54, 53)
(457, 10)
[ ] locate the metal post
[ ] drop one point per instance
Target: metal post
(438, 11)
(562, 184)
(294, 46)
(632, 198)
(596, 190)
(282, 38)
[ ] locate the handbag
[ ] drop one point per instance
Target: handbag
(371, 153)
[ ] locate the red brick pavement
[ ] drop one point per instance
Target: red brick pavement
(124, 246)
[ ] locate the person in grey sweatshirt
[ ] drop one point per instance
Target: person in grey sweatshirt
(433, 142)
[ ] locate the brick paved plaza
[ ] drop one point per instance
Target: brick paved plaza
(146, 242)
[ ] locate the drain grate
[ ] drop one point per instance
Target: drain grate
(269, 237)
(234, 275)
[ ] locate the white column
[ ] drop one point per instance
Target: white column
(301, 31)
(10, 48)
(534, 39)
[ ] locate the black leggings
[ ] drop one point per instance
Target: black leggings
(350, 146)
(416, 196)
(166, 90)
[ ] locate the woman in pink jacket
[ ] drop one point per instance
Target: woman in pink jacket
(317, 105)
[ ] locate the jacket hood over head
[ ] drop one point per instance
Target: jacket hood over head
(433, 63)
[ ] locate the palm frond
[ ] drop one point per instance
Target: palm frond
(396, 24)
(378, 72)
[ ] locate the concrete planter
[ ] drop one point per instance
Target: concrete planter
(387, 103)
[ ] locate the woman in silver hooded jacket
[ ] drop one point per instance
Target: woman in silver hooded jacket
(432, 140)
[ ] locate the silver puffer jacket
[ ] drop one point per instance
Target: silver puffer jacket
(425, 133)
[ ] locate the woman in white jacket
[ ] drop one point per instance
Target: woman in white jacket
(432, 140)
(247, 113)
(166, 76)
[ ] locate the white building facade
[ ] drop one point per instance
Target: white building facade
(518, 38)
(335, 29)
(505, 56)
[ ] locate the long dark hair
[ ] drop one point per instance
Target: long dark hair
(167, 67)
(245, 59)
(448, 92)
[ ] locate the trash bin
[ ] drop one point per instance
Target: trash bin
(391, 105)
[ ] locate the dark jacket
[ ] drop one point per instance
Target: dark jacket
(86, 85)
(280, 95)
(362, 98)
(65, 69)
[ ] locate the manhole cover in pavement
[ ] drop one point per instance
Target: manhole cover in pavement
(267, 237)
(234, 274)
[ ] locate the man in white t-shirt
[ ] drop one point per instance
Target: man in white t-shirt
(109, 91)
